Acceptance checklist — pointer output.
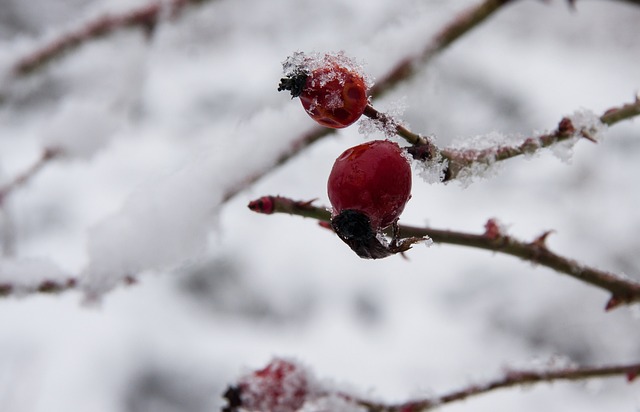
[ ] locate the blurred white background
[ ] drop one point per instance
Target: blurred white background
(159, 129)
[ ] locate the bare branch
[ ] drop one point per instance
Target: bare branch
(46, 286)
(145, 17)
(23, 178)
(623, 290)
(512, 378)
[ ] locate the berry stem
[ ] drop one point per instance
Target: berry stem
(623, 290)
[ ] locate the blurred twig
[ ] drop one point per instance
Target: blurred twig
(45, 286)
(463, 23)
(23, 178)
(511, 378)
(623, 290)
(145, 17)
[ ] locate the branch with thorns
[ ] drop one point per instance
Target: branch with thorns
(623, 291)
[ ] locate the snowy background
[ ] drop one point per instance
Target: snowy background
(158, 130)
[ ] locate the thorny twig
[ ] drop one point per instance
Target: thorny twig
(623, 290)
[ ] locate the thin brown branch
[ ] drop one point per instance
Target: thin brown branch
(145, 17)
(23, 178)
(624, 112)
(45, 286)
(512, 378)
(623, 290)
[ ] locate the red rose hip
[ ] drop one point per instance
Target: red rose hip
(331, 91)
(369, 186)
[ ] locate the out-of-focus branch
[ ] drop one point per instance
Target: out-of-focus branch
(463, 23)
(145, 17)
(46, 286)
(512, 378)
(23, 178)
(624, 112)
(623, 290)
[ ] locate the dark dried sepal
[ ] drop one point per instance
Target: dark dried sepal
(295, 83)
(354, 228)
(234, 400)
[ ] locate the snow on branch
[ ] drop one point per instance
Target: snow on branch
(623, 290)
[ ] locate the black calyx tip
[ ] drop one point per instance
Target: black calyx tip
(295, 83)
(233, 397)
(354, 228)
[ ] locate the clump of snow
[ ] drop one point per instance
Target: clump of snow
(26, 275)
(308, 62)
(166, 222)
(483, 150)
(387, 123)
(587, 125)
(80, 128)
(485, 169)
(587, 122)
(433, 170)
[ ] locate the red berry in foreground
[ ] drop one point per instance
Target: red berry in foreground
(369, 186)
(282, 386)
(330, 90)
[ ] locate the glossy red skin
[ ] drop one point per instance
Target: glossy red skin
(334, 96)
(373, 178)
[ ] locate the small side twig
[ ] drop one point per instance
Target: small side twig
(623, 290)
(47, 156)
(511, 378)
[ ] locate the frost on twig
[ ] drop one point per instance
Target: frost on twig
(468, 161)
(622, 290)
